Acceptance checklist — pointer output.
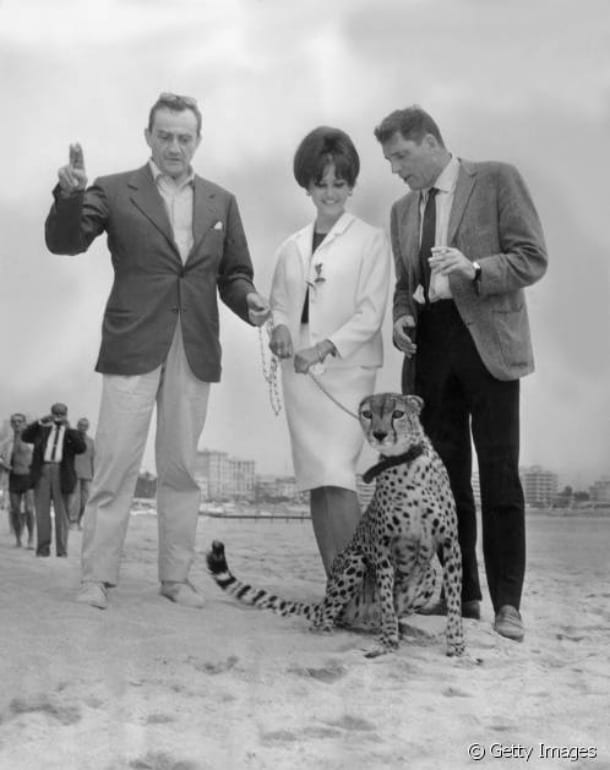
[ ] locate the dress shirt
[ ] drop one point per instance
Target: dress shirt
(55, 441)
(178, 199)
(445, 184)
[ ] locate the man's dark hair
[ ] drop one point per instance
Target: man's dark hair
(412, 123)
(176, 103)
(321, 147)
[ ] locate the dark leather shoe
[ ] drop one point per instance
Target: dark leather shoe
(508, 623)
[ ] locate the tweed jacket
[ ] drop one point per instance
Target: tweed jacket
(493, 221)
(153, 290)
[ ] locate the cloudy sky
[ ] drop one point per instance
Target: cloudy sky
(526, 82)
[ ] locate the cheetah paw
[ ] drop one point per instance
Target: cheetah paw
(456, 649)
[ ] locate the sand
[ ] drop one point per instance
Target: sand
(150, 685)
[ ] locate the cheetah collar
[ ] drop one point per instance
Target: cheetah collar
(389, 462)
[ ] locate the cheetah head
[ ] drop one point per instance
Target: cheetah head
(390, 422)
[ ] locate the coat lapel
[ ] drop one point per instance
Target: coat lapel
(146, 197)
(465, 182)
(205, 213)
(304, 243)
(411, 228)
(408, 229)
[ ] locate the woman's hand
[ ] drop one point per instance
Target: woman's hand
(304, 359)
(308, 357)
(281, 342)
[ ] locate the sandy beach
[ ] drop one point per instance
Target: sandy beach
(150, 685)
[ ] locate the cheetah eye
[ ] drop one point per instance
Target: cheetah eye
(397, 414)
(366, 413)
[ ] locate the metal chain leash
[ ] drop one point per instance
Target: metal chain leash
(270, 367)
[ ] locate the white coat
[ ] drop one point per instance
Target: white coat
(348, 277)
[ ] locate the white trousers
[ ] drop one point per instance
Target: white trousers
(125, 414)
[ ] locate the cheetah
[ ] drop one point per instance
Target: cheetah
(389, 569)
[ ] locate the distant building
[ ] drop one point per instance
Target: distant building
(242, 476)
(278, 488)
(221, 477)
(600, 490)
(476, 488)
(539, 485)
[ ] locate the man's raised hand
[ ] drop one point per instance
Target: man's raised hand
(73, 177)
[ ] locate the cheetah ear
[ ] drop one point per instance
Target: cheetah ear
(415, 402)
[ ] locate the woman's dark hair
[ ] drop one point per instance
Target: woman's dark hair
(320, 148)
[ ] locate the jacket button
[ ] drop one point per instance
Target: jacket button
(174, 310)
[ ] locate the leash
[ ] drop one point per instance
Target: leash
(331, 397)
(270, 368)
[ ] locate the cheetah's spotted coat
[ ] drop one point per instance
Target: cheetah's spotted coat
(410, 518)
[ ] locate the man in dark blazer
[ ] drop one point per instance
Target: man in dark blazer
(467, 240)
(52, 475)
(175, 240)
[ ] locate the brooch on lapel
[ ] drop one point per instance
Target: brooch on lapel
(319, 277)
(218, 225)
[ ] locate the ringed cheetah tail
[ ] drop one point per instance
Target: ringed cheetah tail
(246, 594)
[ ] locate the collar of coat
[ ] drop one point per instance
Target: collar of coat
(304, 237)
(406, 458)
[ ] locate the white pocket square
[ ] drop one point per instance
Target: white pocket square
(218, 225)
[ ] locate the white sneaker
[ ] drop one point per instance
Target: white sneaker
(182, 593)
(93, 594)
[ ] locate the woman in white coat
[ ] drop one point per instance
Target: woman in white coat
(328, 300)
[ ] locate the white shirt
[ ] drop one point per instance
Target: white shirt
(445, 184)
(55, 443)
(178, 199)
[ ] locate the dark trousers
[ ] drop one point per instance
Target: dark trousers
(461, 398)
(48, 489)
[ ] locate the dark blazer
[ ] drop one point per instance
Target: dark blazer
(37, 434)
(494, 222)
(152, 288)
